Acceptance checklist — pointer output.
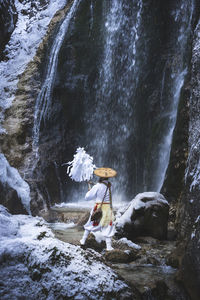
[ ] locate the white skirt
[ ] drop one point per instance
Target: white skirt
(105, 226)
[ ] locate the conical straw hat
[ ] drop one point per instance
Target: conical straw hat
(105, 172)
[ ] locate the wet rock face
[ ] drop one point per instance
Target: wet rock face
(189, 220)
(19, 120)
(8, 19)
(74, 77)
(190, 266)
(174, 178)
(147, 215)
(10, 199)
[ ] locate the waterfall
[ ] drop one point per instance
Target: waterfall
(43, 101)
(109, 126)
(120, 127)
(120, 100)
(178, 75)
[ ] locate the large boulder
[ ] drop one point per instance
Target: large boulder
(146, 215)
(120, 256)
(35, 265)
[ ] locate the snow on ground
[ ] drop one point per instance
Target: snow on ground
(129, 243)
(31, 26)
(35, 265)
(124, 213)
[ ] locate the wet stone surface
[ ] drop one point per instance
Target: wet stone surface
(148, 270)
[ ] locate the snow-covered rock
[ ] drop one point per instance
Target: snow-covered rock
(129, 243)
(35, 265)
(147, 214)
(33, 18)
(11, 177)
(8, 226)
(8, 18)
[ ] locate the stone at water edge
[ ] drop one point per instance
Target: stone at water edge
(146, 215)
(121, 256)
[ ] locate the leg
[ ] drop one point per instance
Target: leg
(108, 244)
(84, 238)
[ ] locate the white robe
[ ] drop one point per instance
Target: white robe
(97, 193)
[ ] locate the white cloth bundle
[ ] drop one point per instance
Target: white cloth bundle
(81, 168)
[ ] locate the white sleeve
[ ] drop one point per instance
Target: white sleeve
(91, 194)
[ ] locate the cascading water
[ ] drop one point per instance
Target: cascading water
(116, 126)
(109, 126)
(43, 101)
(117, 87)
(178, 74)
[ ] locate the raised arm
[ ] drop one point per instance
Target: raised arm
(91, 194)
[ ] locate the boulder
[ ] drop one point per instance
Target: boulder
(121, 256)
(35, 265)
(146, 215)
(10, 199)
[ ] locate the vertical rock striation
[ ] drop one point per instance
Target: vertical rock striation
(182, 180)
(189, 214)
(16, 142)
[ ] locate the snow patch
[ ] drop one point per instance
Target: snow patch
(197, 219)
(35, 265)
(8, 226)
(124, 214)
(32, 24)
(129, 243)
(193, 234)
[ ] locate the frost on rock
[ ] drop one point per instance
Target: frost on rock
(10, 176)
(129, 243)
(146, 215)
(8, 226)
(33, 21)
(124, 214)
(35, 265)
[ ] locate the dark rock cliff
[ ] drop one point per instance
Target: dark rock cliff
(189, 217)
(19, 119)
(8, 19)
(78, 99)
(182, 181)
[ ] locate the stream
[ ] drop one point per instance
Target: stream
(148, 274)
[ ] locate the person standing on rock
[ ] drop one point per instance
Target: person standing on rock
(102, 194)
